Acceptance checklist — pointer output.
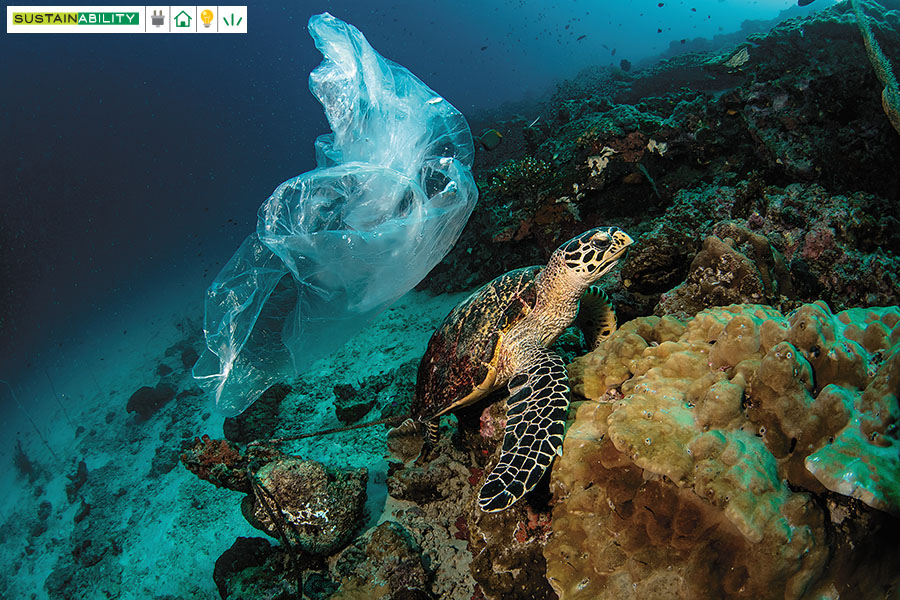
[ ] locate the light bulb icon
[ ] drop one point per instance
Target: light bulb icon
(206, 16)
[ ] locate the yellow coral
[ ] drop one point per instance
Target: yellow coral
(716, 415)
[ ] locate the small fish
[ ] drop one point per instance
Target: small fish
(490, 139)
(804, 2)
(581, 37)
(613, 53)
(483, 48)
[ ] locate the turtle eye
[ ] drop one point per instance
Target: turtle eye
(600, 240)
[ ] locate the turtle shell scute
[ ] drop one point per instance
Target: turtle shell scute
(463, 347)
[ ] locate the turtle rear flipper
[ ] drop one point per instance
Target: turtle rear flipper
(535, 423)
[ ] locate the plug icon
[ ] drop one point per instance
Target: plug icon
(157, 18)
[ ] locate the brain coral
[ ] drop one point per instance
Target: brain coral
(693, 469)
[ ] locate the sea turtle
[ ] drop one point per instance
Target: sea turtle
(500, 336)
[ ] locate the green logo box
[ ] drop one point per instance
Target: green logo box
(75, 18)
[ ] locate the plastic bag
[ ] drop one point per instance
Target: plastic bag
(335, 246)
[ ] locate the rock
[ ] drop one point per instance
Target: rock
(163, 369)
(507, 550)
(24, 465)
(392, 390)
(59, 583)
(318, 508)
(76, 481)
(421, 483)
(87, 554)
(44, 510)
(189, 357)
(37, 530)
(659, 262)
(164, 460)
(260, 419)
(253, 568)
(387, 564)
(318, 585)
(147, 401)
(83, 511)
(347, 405)
(396, 397)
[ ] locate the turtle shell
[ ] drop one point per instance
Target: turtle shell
(459, 364)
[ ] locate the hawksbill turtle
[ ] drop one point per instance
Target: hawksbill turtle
(500, 336)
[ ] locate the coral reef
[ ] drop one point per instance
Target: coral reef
(505, 547)
(790, 143)
(507, 551)
(218, 462)
(439, 525)
(797, 243)
(733, 266)
(702, 454)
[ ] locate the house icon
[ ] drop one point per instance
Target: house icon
(182, 19)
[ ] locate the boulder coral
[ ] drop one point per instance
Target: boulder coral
(700, 464)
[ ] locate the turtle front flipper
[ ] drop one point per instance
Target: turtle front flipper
(535, 423)
(596, 316)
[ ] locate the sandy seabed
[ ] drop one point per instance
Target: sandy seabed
(146, 527)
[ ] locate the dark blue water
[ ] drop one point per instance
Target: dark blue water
(135, 162)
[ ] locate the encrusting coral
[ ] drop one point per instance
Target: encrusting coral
(696, 466)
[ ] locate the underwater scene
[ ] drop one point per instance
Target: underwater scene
(509, 299)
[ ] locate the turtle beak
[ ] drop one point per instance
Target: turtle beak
(617, 247)
(620, 243)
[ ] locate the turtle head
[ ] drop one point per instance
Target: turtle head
(592, 254)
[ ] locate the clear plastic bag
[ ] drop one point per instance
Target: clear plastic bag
(335, 246)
